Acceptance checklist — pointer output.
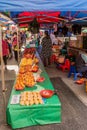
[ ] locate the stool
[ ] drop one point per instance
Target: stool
(73, 71)
(65, 66)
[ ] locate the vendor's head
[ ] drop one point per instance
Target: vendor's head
(14, 34)
(32, 37)
(46, 34)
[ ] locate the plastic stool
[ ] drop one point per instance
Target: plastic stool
(65, 66)
(73, 71)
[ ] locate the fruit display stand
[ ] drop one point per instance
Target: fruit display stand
(19, 116)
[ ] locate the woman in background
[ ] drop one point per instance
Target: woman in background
(46, 50)
(5, 52)
(15, 46)
(10, 47)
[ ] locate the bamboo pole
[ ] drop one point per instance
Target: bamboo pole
(2, 75)
(2, 64)
(18, 44)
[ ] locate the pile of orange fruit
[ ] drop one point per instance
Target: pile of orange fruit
(30, 98)
(28, 65)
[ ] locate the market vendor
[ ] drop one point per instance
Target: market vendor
(81, 64)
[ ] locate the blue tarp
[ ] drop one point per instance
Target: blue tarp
(43, 5)
(5, 21)
(75, 16)
(65, 6)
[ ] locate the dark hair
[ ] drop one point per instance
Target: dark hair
(14, 33)
(46, 33)
(8, 38)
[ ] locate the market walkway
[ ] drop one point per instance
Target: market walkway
(74, 115)
(78, 90)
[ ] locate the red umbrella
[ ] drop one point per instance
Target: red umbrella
(42, 17)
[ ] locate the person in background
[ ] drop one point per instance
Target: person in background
(23, 37)
(46, 49)
(28, 34)
(55, 39)
(10, 47)
(69, 33)
(40, 37)
(15, 46)
(55, 26)
(5, 52)
(65, 30)
(52, 36)
(60, 34)
(81, 64)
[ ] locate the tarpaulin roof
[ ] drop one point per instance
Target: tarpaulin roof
(52, 16)
(4, 20)
(75, 16)
(17, 6)
(43, 5)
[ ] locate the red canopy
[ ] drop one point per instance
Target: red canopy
(23, 25)
(42, 17)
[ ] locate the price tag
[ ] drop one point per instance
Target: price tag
(36, 76)
(15, 99)
(32, 45)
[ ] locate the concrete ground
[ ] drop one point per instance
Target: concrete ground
(79, 90)
(53, 72)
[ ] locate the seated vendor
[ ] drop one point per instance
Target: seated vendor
(81, 64)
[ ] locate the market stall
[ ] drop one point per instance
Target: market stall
(27, 114)
(17, 115)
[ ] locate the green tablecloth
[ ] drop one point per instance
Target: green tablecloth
(22, 116)
(32, 45)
